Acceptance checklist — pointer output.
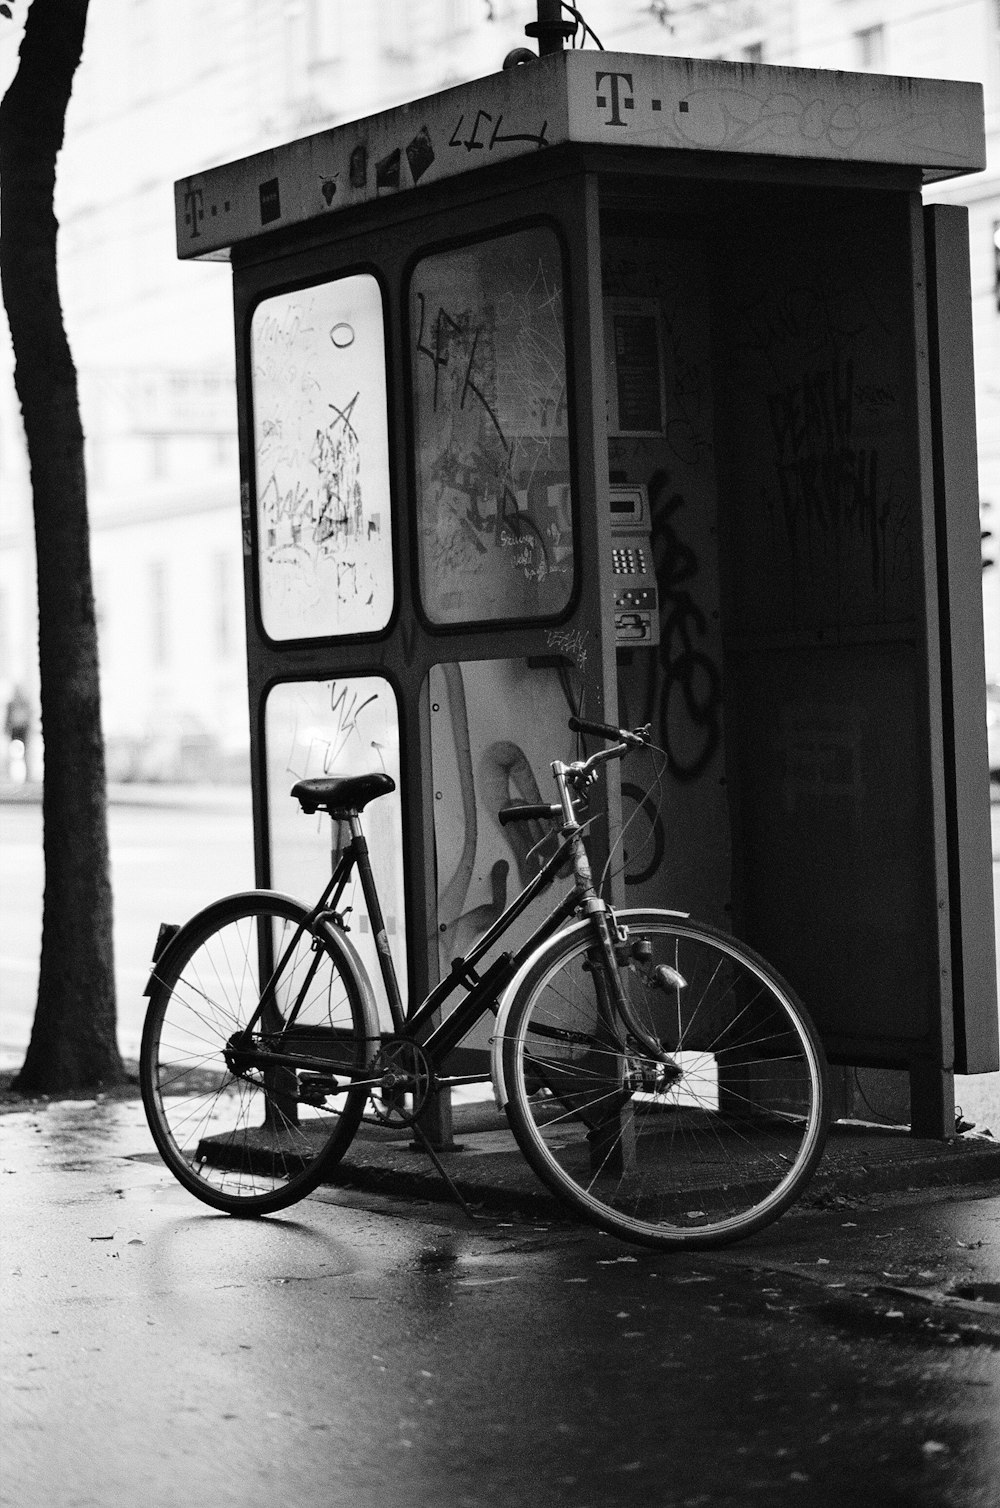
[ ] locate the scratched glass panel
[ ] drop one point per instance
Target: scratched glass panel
(488, 359)
(322, 460)
(347, 726)
(496, 726)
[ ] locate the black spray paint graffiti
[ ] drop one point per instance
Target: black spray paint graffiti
(347, 706)
(474, 142)
(486, 470)
(644, 841)
(318, 754)
(337, 458)
(684, 671)
(825, 480)
(310, 519)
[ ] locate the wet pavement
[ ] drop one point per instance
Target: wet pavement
(489, 1172)
(376, 1344)
(364, 1348)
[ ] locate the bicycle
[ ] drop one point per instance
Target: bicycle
(658, 1075)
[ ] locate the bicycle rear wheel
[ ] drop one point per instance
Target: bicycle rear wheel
(243, 1133)
(698, 1160)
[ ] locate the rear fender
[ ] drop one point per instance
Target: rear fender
(172, 943)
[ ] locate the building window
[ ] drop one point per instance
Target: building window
(325, 39)
(457, 17)
(222, 605)
(870, 44)
(158, 612)
(159, 456)
(395, 29)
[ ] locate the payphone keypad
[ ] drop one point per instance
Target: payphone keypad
(637, 618)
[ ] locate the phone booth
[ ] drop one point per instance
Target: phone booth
(638, 388)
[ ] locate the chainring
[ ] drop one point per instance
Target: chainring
(404, 1083)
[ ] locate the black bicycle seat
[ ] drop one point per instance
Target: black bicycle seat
(341, 796)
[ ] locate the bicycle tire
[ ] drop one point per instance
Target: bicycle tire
(244, 1139)
(701, 1162)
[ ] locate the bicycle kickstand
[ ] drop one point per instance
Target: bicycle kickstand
(421, 1135)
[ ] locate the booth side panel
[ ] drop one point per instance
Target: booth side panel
(956, 490)
(821, 497)
(657, 304)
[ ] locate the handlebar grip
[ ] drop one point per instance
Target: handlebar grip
(526, 813)
(604, 730)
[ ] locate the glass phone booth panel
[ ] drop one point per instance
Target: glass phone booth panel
(488, 365)
(343, 726)
(321, 460)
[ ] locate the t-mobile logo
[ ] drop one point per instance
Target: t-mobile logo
(621, 97)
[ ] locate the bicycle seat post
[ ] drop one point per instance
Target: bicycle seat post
(359, 844)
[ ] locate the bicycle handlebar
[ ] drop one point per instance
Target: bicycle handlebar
(526, 813)
(635, 738)
(580, 773)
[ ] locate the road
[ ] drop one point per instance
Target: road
(167, 861)
(362, 1351)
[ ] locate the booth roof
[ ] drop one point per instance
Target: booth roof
(595, 98)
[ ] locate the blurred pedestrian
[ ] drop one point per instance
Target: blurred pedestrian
(17, 726)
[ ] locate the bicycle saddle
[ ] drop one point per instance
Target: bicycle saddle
(341, 796)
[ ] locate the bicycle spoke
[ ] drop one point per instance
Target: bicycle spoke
(242, 1123)
(700, 1146)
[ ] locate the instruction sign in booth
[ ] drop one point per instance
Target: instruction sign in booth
(637, 388)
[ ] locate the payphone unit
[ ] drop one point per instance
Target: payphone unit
(637, 609)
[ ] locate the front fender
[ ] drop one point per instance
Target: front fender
(562, 941)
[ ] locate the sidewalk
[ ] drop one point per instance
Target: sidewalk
(359, 1340)
(489, 1170)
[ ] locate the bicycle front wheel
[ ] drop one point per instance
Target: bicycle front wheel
(257, 1034)
(692, 1153)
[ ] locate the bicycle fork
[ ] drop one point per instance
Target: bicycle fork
(613, 938)
(611, 1126)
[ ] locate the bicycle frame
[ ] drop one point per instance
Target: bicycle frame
(483, 991)
(261, 1057)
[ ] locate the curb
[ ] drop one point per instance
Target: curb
(149, 794)
(858, 1162)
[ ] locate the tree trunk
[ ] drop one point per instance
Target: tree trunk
(73, 1040)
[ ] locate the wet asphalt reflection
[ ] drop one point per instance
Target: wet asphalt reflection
(358, 1350)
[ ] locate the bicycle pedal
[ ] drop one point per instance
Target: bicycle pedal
(314, 1088)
